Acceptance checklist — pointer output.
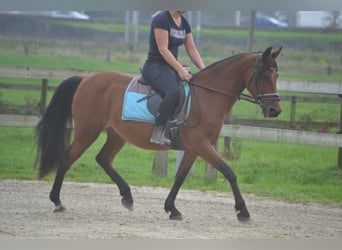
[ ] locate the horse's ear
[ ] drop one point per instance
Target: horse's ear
(276, 53)
(266, 54)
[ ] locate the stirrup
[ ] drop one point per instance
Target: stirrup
(158, 136)
(163, 141)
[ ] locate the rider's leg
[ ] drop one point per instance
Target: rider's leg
(164, 112)
(164, 80)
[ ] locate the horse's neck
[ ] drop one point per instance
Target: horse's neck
(226, 77)
(229, 77)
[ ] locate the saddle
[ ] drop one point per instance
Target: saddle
(154, 100)
(141, 103)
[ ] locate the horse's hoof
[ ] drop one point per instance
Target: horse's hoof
(176, 217)
(174, 213)
(59, 208)
(127, 204)
(243, 218)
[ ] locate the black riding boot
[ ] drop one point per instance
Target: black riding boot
(158, 136)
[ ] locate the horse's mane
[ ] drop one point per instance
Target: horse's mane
(230, 58)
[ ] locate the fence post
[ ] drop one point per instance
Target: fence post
(160, 163)
(251, 31)
(339, 161)
(43, 95)
(227, 150)
(180, 154)
(293, 111)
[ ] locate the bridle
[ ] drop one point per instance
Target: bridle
(256, 74)
(258, 69)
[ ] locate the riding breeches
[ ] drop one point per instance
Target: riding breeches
(164, 80)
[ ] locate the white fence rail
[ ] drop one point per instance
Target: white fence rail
(283, 135)
(280, 135)
(18, 120)
(259, 133)
(332, 88)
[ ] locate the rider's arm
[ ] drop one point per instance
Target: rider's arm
(192, 51)
(162, 39)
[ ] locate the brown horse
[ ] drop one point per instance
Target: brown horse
(95, 104)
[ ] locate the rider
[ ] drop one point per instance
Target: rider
(169, 30)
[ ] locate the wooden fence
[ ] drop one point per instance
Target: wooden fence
(228, 130)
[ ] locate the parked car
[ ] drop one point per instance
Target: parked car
(69, 14)
(267, 22)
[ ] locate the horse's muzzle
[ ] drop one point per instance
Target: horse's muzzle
(271, 111)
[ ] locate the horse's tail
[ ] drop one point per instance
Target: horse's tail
(52, 140)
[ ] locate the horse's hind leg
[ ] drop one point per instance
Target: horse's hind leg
(112, 146)
(80, 143)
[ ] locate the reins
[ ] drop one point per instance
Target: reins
(198, 107)
(211, 89)
(243, 97)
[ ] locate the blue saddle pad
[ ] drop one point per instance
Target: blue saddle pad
(135, 104)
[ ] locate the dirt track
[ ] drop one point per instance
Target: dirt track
(94, 211)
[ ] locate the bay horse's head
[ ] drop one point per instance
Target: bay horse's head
(262, 84)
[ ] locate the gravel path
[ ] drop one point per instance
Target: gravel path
(94, 211)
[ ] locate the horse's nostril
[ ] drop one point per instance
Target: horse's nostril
(273, 112)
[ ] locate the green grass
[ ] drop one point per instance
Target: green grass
(15, 59)
(109, 27)
(102, 26)
(291, 172)
(295, 63)
(216, 32)
(298, 172)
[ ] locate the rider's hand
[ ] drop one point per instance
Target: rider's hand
(184, 74)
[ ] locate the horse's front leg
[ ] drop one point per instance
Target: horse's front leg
(210, 155)
(185, 165)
